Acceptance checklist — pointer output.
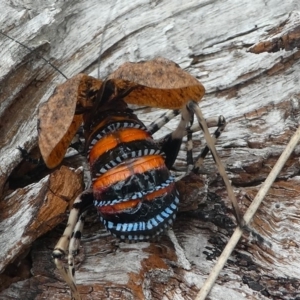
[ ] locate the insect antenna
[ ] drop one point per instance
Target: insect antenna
(30, 50)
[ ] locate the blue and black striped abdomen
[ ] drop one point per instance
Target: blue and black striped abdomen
(134, 191)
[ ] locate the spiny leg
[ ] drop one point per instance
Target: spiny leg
(170, 144)
(74, 244)
(162, 120)
(81, 203)
(189, 144)
(218, 122)
(210, 143)
(173, 140)
(189, 150)
(168, 116)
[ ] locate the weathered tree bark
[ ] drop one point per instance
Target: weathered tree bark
(258, 93)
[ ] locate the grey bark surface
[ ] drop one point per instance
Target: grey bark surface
(258, 93)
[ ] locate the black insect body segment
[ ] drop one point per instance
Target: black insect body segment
(134, 191)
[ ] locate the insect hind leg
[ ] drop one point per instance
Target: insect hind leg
(74, 246)
(218, 122)
(170, 144)
(162, 120)
(70, 240)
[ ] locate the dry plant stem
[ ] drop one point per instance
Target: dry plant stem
(248, 216)
(219, 164)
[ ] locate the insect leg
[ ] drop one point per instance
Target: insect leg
(211, 122)
(218, 122)
(74, 225)
(170, 144)
(210, 143)
(162, 120)
(74, 246)
(189, 145)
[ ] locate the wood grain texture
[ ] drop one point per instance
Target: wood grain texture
(259, 96)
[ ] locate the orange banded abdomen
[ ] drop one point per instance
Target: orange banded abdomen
(134, 191)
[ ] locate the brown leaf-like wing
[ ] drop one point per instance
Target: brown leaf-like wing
(57, 120)
(157, 83)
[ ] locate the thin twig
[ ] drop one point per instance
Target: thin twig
(248, 216)
(219, 164)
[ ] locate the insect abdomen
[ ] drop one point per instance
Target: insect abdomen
(134, 191)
